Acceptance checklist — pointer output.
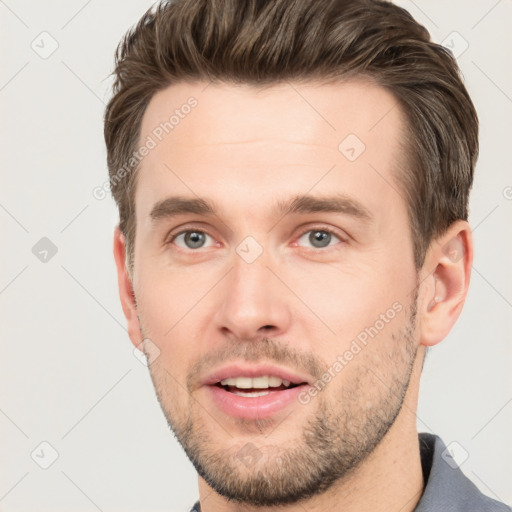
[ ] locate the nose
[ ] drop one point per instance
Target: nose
(252, 302)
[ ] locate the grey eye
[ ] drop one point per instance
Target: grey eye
(191, 239)
(194, 239)
(318, 238)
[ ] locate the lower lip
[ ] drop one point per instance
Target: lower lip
(257, 407)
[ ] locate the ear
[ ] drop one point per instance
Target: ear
(444, 282)
(126, 293)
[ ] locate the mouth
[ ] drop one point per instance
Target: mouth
(255, 386)
(254, 392)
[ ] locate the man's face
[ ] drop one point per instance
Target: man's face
(254, 291)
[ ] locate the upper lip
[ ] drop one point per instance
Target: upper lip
(255, 370)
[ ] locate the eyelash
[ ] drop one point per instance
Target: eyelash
(315, 228)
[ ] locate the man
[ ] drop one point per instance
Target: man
(292, 180)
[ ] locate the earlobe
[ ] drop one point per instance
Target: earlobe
(126, 292)
(444, 288)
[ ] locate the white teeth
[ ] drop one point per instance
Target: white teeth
(228, 382)
(262, 382)
(274, 382)
(251, 393)
(243, 382)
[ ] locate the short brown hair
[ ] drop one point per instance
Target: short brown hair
(262, 43)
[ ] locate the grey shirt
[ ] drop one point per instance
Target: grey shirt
(447, 489)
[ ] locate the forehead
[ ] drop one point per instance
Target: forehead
(209, 138)
(297, 111)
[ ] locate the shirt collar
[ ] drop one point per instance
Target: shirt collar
(447, 488)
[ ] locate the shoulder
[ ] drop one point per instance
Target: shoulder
(446, 486)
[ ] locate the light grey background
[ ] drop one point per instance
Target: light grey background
(68, 373)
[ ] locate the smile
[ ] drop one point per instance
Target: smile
(254, 387)
(254, 392)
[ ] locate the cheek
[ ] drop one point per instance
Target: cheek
(166, 309)
(345, 294)
(360, 306)
(167, 295)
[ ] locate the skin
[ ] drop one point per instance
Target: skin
(244, 148)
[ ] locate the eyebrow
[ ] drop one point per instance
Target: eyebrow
(330, 204)
(303, 204)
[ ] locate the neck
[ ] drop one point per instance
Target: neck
(390, 478)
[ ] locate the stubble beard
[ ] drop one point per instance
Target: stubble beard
(342, 433)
